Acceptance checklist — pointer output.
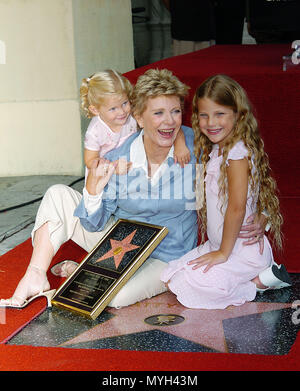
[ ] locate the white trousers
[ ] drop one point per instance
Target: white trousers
(57, 209)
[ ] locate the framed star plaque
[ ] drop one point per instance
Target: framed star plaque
(107, 268)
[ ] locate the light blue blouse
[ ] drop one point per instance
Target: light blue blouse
(168, 199)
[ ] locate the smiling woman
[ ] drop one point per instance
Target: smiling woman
(161, 122)
(162, 119)
(157, 102)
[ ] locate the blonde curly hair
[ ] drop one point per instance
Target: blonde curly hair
(225, 91)
(97, 87)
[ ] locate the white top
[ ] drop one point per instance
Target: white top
(99, 136)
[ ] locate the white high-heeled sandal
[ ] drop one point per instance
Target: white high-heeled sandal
(24, 302)
(275, 277)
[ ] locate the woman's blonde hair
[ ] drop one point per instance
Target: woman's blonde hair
(154, 83)
(225, 91)
(96, 88)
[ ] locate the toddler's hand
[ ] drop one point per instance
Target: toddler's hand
(122, 166)
(182, 157)
(209, 259)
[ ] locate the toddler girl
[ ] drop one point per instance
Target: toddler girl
(222, 271)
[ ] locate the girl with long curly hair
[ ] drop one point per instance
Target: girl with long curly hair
(236, 182)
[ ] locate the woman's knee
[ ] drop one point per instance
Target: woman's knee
(135, 292)
(62, 194)
(58, 189)
(123, 298)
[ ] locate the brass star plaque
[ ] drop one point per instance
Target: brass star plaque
(105, 270)
(164, 320)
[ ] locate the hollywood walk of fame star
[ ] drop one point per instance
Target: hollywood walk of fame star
(204, 327)
(119, 248)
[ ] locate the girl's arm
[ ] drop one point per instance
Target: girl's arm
(237, 176)
(121, 166)
(181, 152)
(89, 157)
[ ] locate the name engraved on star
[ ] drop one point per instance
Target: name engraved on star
(118, 250)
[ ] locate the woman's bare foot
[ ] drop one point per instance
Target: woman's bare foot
(64, 268)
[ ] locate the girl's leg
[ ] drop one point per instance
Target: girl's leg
(258, 283)
(273, 277)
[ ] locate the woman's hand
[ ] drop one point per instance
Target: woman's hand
(209, 259)
(99, 174)
(254, 231)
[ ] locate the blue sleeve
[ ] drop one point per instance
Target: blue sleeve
(97, 220)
